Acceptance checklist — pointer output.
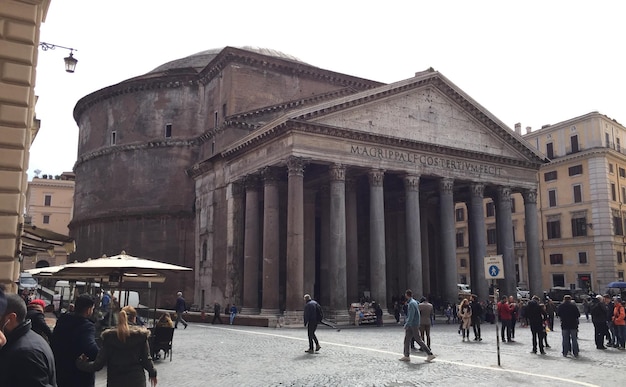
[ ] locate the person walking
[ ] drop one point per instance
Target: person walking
(73, 335)
(465, 315)
(217, 308)
(312, 316)
(546, 326)
(598, 318)
(426, 310)
(610, 333)
(233, 313)
(25, 357)
(181, 307)
(534, 314)
(551, 311)
(568, 313)
(619, 321)
(411, 329)
(125, 352)
(477, 313)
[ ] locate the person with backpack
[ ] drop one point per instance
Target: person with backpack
(312, 316)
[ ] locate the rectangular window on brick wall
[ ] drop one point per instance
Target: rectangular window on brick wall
(491, 236)
(554, 229)
(552, 198)
(619, 257)
(578, 193)
(460, 215)
(613, 192)
(460, 239)
(618, 228)
(491, 209)
(558, 280)
(622, 172)
(550, 150)
(46, 219)
(549, 176)
(576, 170)
(579, 227)
(582, 257)
(556, 259)
(47, 200)
(168, 130)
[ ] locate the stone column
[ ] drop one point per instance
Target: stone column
(309, 242)
(324, 286)
(378, 270)
(448, 242)
(352, 243)
(535, 280)
(337, 265)
(414, 274)
(295, 240)
(271, 245)
(504, 225)
(251, 247)
(425, 247)
(477, 241)
(236, 233)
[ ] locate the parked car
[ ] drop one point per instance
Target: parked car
(522, 293)
(27, 281)
(464, 288)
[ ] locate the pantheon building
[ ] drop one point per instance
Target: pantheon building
(273, 178)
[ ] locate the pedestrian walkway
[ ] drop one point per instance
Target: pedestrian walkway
(208, 355)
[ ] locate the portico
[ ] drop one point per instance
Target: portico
(356, 196)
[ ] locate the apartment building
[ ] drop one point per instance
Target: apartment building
(581, 202)
(49, 204)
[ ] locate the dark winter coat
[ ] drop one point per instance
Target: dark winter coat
(568, 313)
(39, 324)
(310, 313)
(534, 314)
(26, 360)
(73, 335)
(125, 361)
(598, 312)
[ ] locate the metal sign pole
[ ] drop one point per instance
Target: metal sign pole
(496, 296)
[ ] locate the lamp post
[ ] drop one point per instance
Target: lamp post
(70, 61)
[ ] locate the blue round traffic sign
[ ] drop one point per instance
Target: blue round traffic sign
(494, 270)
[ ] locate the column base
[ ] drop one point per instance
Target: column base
(270, 312)
(293, 318)
(338, 316)
(249, 311)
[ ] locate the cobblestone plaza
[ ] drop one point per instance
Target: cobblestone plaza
(223, 355)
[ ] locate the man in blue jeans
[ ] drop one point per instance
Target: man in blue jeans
(568, 313)
(412, 329)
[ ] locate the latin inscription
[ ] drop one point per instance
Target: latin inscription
(425, 160)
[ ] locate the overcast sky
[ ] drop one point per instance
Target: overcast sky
(533, 62)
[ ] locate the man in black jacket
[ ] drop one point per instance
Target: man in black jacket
(598, 318)
(534, 314)
(312, 317)
(568, 313)
(26, 358)
(74, 335)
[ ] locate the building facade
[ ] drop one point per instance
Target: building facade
(19, 41)
(582, 196)
(274, 178)
(49, 204)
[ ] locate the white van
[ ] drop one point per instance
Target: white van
(464, 288)
(63, 287)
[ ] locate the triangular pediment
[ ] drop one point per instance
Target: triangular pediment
(427, 110)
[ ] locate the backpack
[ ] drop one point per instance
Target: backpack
(319, 312)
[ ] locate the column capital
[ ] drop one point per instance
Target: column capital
(412, 182)
(530, 196)
(504, 193)
(337, 172)
(477, 190)
(238, 188)
(446, 185)
(376, 177)
(251, 182)
(270, 175)
(295, 166)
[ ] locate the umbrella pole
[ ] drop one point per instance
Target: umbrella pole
(156, 293)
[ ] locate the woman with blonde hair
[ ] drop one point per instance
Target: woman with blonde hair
(465, 314)
(165, 321)
(125, 352)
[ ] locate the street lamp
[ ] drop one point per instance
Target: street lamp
(70, 61)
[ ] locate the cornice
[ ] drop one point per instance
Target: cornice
(148, 215)
(583, 155)
(348, 134)
(167, 81)
(133, 147)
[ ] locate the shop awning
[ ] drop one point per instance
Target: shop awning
(38, 240)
